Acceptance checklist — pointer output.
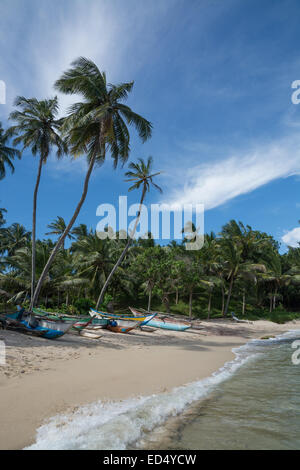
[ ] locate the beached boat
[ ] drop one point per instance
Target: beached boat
(120, 329)
(31, 324)
(142, 319)
(78, 322)
(165, 323)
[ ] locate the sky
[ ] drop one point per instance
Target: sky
(215, 79)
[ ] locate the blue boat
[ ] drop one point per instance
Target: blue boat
(165, 323)
(31, 324)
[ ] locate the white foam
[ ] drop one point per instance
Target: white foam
(116, 425)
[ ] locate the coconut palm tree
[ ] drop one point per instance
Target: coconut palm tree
(141, 175)
(2, 220)
(58, 227)
(13, 238)
(37, 128)
(7, 154)
(94, 126)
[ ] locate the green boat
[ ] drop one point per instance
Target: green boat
(81, 322)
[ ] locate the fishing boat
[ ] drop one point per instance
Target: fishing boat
(165, 323)
(78, 322)
(121, 317)
(119, 329)
(31, 324)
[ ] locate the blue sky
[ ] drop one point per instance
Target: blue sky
(214, 77)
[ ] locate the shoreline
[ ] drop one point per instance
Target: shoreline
(42, 380)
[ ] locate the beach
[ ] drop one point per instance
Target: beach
(45, 378)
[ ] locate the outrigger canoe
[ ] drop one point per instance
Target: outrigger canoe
(79, 323)
(49, 329)
(164, 323)
(121, 318)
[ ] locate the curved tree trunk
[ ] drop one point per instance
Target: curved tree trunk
(229, 296)
(122, 256)
(63, 236)
(33, 242)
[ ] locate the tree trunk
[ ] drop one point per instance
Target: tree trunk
(33, 239)
(149, 299)
(229, 296)
(166, 302)
(58, 299)
(177, 297)
(63, 236)
(67, 299)
(190, 304)
(130, 238)
(244, 303)
(223, 301)
(209, 303)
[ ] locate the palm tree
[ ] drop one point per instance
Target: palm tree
(37, 128)
(13, 238)
(2, 220)
(95, 126)
(80, 231)
(141, 174)
(58, 227)
(7, 154)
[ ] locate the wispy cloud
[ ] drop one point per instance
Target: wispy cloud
(238, 173)
(292, 238)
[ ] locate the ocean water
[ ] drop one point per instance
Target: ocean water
(253, 402)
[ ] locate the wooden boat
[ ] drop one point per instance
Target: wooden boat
(165, 323)
(78, 322)
(119, 328)
(30, 324)
(142, 319)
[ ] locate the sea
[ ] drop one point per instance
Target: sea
(252, 402)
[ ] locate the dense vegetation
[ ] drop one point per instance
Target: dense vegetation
(239, 269)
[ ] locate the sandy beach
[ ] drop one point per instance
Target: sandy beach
(42, 378)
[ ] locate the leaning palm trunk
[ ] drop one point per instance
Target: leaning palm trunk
(229, 296)
(38, 178)
(122, 256)
(63, 236)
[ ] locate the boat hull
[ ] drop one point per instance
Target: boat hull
(164, 324)
(142, 319)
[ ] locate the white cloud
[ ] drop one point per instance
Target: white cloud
(239, 173)
(292, 238)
